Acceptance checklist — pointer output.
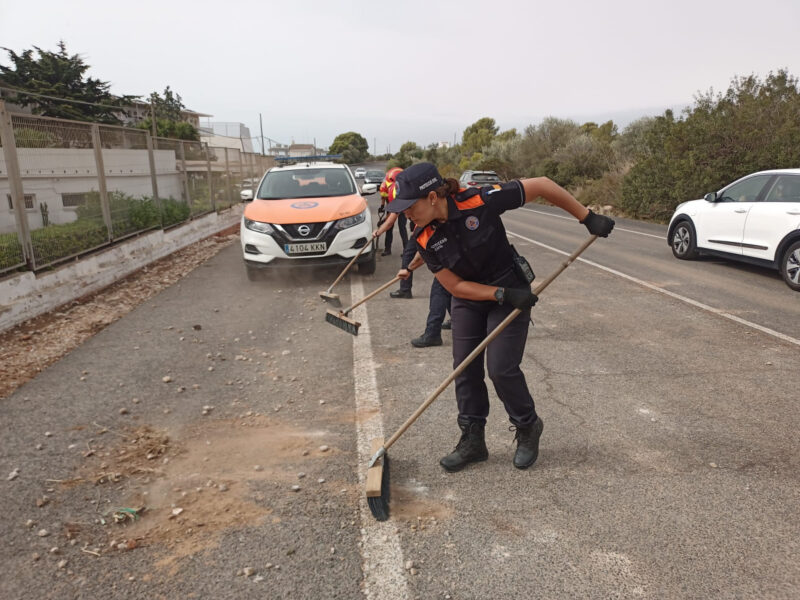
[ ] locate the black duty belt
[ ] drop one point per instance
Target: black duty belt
(505, 279)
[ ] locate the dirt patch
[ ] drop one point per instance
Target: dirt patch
(413, 504)
(202, 486)
(30, 347)
(361, 416)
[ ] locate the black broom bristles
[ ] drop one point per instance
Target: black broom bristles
(338, 320)
(379, 505)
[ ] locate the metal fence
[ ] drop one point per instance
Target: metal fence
(70, 187)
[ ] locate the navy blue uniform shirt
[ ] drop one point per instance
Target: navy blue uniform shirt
(472, 243)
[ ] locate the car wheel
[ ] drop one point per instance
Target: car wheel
(368, 267)
(684, 242)
(790, 266)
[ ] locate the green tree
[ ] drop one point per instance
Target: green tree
(61, 76)
(754, 125)
(170, 122)
(584, 157)
(409, 153)
(540, 143)
(353, 147)
(478, 135)
(168, 107)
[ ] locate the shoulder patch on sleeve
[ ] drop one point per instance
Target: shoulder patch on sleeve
(470, 198)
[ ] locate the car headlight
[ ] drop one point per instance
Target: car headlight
(258, 226)
(351, 221)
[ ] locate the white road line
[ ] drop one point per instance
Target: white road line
(381, 553)
(570, 218)
(706, 307)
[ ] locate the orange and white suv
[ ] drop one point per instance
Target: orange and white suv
(310, 213)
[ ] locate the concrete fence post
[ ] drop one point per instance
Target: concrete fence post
(228, 190)
(151, 157)
(101, 180)
(15, 182)
(186, 194)
(208, 178)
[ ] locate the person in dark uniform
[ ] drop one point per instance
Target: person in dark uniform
(461, 238)
(387, 195)
(438, 303)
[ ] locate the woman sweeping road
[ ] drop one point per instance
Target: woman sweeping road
(461, 238)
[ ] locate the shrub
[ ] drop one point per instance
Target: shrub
(10, 251)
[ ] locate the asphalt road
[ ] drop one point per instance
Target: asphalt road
(668, 464)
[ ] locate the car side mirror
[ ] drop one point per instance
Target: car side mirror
(369, 188)
(246, 195)
(711, 197)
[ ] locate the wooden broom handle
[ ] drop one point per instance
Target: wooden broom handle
(371, 294)
(482, 346)
(350, 264)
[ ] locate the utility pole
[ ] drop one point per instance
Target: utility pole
(261, 125)
(374, 146)
(153, 115)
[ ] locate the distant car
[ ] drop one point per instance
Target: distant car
(755, 219)
(374, 176)
(309, 213)
(478, 179)
(360, 172)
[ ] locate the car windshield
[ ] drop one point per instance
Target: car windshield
(485, 177)
(305, 183)
(375, 174)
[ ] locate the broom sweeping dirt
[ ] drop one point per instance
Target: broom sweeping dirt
(328, 295)
(345, 323)
(378, 468)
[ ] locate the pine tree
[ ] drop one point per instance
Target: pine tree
(60, 76)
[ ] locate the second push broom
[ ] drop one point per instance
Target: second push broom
(377, 470)
(341, 319)
(328, 294)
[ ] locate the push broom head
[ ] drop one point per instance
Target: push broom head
(338, 319)
(331, 298)
(378, 484)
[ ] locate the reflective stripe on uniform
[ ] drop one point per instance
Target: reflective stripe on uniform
(424, 236)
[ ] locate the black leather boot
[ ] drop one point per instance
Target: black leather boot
(426, 340)
(471, 447)
(527, 443)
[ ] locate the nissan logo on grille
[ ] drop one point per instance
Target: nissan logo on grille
(304, 230)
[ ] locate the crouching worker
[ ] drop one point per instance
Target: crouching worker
(461, 238)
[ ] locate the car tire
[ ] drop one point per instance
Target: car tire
(790, 266)
(368, 267)
(684, 241)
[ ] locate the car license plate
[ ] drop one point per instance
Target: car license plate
(305, 248)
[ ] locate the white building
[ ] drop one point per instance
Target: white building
(227, 135)
(61, 178)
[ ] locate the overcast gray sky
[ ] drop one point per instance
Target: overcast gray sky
(419, 70)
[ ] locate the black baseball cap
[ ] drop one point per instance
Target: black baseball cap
(414, 183)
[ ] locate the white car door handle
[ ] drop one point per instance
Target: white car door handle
(740, 210)
(793, 212)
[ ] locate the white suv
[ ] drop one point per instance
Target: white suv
(308, 213)
(755, 219)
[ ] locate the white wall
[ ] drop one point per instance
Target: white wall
(49, 172)
(27, 295)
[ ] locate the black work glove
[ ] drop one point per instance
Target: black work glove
(520, 298)
(598, 225)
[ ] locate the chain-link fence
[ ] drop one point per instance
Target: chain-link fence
(70, 187)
